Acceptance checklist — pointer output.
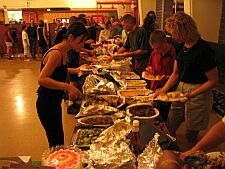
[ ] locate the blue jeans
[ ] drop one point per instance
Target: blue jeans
(33, 48)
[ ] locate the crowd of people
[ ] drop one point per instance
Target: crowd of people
(190, 68)
(38, 40)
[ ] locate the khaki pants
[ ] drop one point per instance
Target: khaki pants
(194, 112)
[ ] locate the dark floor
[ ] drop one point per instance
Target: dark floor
(21, 131)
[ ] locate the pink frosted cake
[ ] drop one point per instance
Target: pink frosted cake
(64, 159)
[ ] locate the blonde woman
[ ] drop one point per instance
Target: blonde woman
(195, 70)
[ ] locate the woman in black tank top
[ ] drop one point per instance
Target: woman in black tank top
(52, 83)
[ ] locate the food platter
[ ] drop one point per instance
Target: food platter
(85, 137)
(134, 92)
(216, 159)
(174, 96)
(210, 160)
(129, 75)
(107, 100)
(95, 121)
(97, 109)
(87, 67)
(142, 111)
(148, 76)
(136, 83)
(139, 99)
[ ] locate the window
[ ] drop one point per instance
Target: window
(15, 16)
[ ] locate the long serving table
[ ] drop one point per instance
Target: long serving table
(157, 125)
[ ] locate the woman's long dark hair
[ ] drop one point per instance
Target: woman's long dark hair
(77, 29)
(149, 25)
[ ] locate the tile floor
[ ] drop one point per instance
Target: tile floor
(20, 128)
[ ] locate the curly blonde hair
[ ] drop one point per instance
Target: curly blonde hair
(183, 26)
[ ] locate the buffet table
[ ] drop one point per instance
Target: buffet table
(125, 80)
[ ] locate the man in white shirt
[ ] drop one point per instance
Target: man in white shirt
(26, 44)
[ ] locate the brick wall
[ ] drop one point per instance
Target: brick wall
(222, 26)
(159, 12)
(167, 9)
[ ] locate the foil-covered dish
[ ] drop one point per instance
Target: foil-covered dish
(96, 110)
(95, 121)
(106, 100)
(119, 156)
(112, 134)
(99, 71)
(110, 150)
(129, 75)
(149, 158)
(83, 138)
(97, 85)
(116, 76)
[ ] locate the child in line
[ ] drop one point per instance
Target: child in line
(26, 44)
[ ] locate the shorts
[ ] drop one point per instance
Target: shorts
(194, 112)
(26, 50)
(9, 44)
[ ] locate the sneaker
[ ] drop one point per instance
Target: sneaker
(12, 56)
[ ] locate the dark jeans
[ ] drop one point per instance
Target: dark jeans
(43, 46)
(164, 109)
(50, 114)
(33, 49)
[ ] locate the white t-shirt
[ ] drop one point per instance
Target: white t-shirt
(104, 35)
(25, 37)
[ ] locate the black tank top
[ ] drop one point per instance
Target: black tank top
(59, 74)
(41, 34)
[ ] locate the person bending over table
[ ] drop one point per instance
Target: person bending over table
(212, 138)
(196, 71)
(161, 63)
(136, 45)
(52, 83)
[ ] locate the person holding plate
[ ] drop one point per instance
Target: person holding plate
(160, 64)
(136, 45)
(196, 71)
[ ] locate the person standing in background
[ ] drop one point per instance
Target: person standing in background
(152, 15)
(15, 40)
(148, 25)
(26, 44)
(42, 39)
(32, 35)
(105, 33)
(58, 26)
(8, 41)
